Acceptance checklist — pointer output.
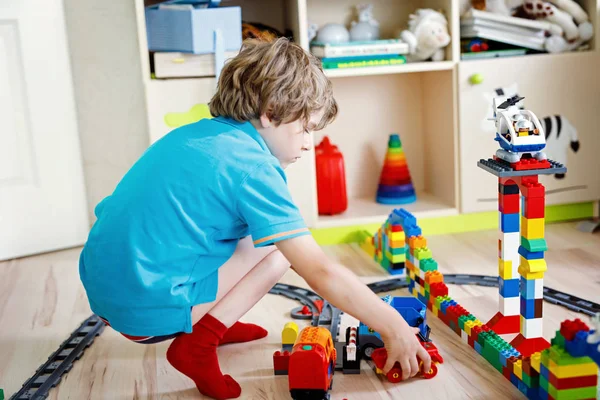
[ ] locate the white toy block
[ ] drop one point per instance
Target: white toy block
(509, 305)
(531, 328)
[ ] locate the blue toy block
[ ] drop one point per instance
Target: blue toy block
(509, 222)
(509, 287)
(528, 308)
(514, 379)
(578, 346)
(477, 347)
(543, 394)
(530, 255)
(544, 372)
(527, 288)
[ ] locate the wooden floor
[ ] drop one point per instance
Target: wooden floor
(42, 301)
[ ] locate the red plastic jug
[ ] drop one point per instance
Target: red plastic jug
(331, 179)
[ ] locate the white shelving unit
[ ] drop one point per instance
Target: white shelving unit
(432, 105)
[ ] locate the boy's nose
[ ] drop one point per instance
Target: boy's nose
(307, 145)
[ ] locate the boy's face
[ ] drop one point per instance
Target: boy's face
(287, 142)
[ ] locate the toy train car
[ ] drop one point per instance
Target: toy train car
(310, 364)
(411, 309)
(394, 375)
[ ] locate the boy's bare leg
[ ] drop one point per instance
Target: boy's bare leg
(243, 280)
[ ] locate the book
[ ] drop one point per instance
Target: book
(358, 48)
(529, 42)
(480, 55)
(474, 14)
(360, 62)
(529, 32)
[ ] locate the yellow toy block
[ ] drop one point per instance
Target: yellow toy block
(505, 269)
(573, 371)
(532, 269)
(532, 228)
(289, 333)
(434, 310)
(518, 369)
(536, 359)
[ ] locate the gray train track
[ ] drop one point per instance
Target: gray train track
(61, 361)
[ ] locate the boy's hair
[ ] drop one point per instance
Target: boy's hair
(275, 78)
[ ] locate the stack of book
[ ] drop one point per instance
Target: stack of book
(513, 31)
(383, 52)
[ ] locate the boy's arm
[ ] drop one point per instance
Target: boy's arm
(339, 286)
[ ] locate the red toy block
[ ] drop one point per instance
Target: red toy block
(529, 346)
(505, 324)
(506, 372)
(397, 228)
(570, 328)
(437, 289)
(573, 383)
(534, 207)
(529, 188)
(510, 363)
(509, 203)
(281, 362)
(530, 163)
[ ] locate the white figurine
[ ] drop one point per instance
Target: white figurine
(366, 28)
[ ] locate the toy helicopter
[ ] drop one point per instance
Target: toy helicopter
(518, 131)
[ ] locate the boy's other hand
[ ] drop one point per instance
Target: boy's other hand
(404, 347)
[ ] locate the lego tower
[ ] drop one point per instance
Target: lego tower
(395, 183)
(521, 247)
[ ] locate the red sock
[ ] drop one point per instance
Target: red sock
(195, 355)
(241, 332)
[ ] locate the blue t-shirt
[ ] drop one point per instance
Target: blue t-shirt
(176, 217)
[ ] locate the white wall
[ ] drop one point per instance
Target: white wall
(109, 91)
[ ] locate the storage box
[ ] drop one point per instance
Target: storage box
(192, 29)
(185, 65)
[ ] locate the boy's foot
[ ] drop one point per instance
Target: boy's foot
(241, 332)
(195, 355)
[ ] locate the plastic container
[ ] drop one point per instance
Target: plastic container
(331, 179)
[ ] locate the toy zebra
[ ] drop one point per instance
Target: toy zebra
(560, 136)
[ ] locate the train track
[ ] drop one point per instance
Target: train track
(319, 311)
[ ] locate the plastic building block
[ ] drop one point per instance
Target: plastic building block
(281, 362)
(289, 335)
(505, 324)
(501, 168)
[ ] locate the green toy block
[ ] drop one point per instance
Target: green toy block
(572, 394)
(534, 245)
(1, 394)
(558, 340)
(428, 265)
(422, 253)
(561, 357)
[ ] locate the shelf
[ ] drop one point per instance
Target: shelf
(395, 69)
(367, 211)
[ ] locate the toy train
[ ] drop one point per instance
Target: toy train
(309, 358)
(310, 365)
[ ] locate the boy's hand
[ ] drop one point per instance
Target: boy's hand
(343, 289)
(404, 347)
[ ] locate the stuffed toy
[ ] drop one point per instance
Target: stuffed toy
(426, 36)
(570, 20)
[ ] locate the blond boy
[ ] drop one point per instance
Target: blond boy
(203, 225)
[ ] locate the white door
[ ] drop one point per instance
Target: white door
(42, 195)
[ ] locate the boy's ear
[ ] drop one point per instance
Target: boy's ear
(265, 121)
